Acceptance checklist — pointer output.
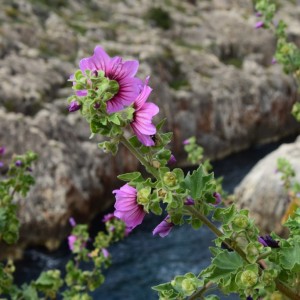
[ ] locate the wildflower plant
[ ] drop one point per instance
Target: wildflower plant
(243, 261)
(114, 102)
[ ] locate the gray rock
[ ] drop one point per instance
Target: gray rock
(262, 191)
(73, 178)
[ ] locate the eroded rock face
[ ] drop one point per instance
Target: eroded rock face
(262, 191)
(210, 69)
(73, 178)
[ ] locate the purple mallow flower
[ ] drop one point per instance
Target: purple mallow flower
(163, 228)
(274, 61)
(189, 201)
(259, 24)
(172, 160)
(142, 118)
(258, 14)
(71, 240)
(114, 68)
(1, 164)
(72, 222)
(218, 198)
(74, 106)
(267, 241)
(2, 150)
(18, 163)
(186, 142)
(127, 208)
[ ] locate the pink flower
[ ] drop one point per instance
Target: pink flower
(142, 118)
(108, 217)
(127, 208)
(74, 106)
(218, 198)
(114, 69)
(189, 201)
(259, 24)
(2, 150)
(164, 228)
(172, 160)
(71, 240)
(105, 253)
(72, 222)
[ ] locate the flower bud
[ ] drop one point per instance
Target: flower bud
(276, 296)
(170, 179)
(161, 193)
(252, 250)
(143, 196)
(156, 164)
(249, 278)
(241, 221)
(188, 286)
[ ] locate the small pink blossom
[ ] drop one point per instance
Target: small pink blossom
(74, 106)
(163, 228)
(71, 240)
(105, 253)
(72, 222)
(186, 142)
(172, 160)
(127, 208)
(259, 24)
(142, 118)
(108, 217)
(114, 68)
(218, 198)
(189, 201)
(274, 61)
(2, 150)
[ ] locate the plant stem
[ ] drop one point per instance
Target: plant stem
(216, 231)
(199, 294)
(140, 157)
(280, 286)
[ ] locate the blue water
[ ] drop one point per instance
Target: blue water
(143, 260)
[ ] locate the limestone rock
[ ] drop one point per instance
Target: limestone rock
(262, 191)
(73, 178)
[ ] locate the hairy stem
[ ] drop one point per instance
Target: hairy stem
(280, 286)
(140, 157)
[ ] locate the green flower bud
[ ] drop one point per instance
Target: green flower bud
(241, 221)
(113, 87)
(249, 278)
(276, 296)
(162, 193)
(252, 250)
(143, 196)
(170, 179)
(156, 164)
(188, 286)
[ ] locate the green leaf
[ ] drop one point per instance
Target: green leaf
(161, 124)
(225, 215)
(198, 182)
(290, 258)
(224, 265)
(30, 293)
(133, 176)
